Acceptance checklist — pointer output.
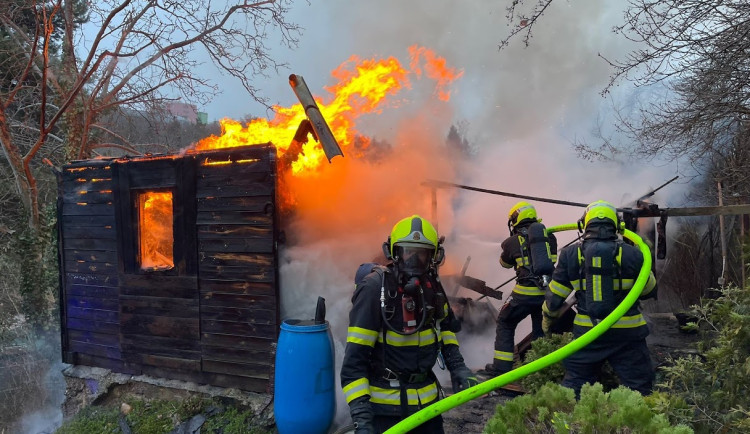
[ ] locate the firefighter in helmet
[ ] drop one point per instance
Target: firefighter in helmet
(400, 322)
(602, 270)
(533, 263)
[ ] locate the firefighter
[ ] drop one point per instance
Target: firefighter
(400, 322)
(528, 293)
(601, 270)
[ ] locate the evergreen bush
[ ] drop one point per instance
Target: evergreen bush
(553, 409)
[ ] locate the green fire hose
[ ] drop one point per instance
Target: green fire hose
(481, 389)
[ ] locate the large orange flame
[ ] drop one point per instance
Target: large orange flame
(155, 233)
(363, 87)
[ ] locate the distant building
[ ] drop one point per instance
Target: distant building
(184, 112)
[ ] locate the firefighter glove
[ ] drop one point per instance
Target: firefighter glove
(462, 378)
(546, 322)
(362, 416)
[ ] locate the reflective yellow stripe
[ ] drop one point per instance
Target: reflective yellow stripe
(504, 356)
(355, 389)
(576, 284)
(625, 322)
(448, 337)
(528, 290)
(650, 285)
(618, 284)
(523, 261)
(358, 335)
(423, 395)
(559, 289)
(423, 338)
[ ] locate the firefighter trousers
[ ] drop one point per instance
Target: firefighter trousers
(631, 361)
(510, 315)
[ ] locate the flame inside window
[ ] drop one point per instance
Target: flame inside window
(155, 234)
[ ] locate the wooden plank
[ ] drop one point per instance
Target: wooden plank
(230, 190)
(237, 273)
(238, 329)
(257, 385)
(91, 255)
(91, 279)
(93, 291)
(95, 337)
(152, 174)
(94, 314)
(241, 342)
(706, 210)
(87, 171)
(83, 209)
(243, 301)
(237, 245)
(219, 232)
(223, 286)
(258, 204)
(239, 355)
(233, 218)
(213, 179)
(71, 188)
(90, 267)
(90, 232)
(92, 325)
(84, 221)
(253, 261)
(160, 291)
(167, 347)
(155, 280)
(116, 365)
(92, 244)
(186, 244)
(254, 370)
(173, 363)
(108, 352)
(82, 194)
(158, 306)
(92, 303)
(238, 314)
(179, 328)
(160, 344)
(247, 169)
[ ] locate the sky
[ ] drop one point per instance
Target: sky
(520, 107)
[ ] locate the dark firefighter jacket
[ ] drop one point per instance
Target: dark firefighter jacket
(515, 254)
(371, 348)
(569, 277)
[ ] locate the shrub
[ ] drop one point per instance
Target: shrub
(553, 408)
(714, 385)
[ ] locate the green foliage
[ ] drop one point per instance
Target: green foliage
(38, 263)
(555, 373)
(540, 348)
(715, 384)
(233, 421)
(92, 420)
(162, 416)
(553, 409)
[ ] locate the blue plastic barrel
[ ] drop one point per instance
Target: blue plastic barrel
(304, 396)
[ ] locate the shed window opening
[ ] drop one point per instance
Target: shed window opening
(155, 230)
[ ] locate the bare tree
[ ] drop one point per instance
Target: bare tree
(135, 53)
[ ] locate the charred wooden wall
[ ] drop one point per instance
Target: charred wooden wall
(212, 318)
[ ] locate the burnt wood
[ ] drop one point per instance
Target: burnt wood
(214, 317)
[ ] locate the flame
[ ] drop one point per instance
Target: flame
(363, 87)
(155, 234)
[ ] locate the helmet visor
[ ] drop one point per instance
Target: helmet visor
(414, 260)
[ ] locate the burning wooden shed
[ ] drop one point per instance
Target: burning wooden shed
(169, 265)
